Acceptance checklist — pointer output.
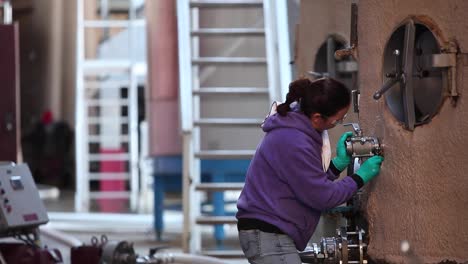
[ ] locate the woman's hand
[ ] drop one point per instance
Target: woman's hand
(342, 159)
(370, 168)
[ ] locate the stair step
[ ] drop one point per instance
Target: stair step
(226, 3)
(223, 253)
(229, 60)
(109, 195)
(101, 138)
(228, 122)
(102, 120)
(225, 154)
(231, 90)
(228, 31)
(216, 220)
(109, 157)
(220, 186)
(109, 176)
(107, 102)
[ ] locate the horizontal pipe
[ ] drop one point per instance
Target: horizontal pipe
(61, 237)
(181, 258)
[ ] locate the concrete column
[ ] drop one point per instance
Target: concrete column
(162, 99)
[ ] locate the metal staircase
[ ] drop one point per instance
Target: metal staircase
(107, 77)
(216, 92)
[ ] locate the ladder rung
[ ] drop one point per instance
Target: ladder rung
(100, 66)
(230, 90)
(216, 220)
(107, 102)
(103, 120)
(114, 23)
(109, 176)
(106, 84)
(109, 195)
(228, 122)
(100, 138)
(96, 65)
(229, 31)
(225, 154)
(119, 6)
(109, 157)
(220, 186)
(227, 3)
(229, 60)
(223, 253)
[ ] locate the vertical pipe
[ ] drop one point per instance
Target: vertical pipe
(9, 103)
(82, 188)
(7, 13)
(162, 93)
(284, 53)
(195, 168)
(55, 52)
(270, 45)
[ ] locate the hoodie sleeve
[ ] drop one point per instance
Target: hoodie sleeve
(303, 172)
(332, 172)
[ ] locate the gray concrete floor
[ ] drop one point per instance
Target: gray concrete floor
(135, 229)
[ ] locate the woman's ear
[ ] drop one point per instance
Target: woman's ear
(316, 119)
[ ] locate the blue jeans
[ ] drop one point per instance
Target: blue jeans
(261, 247)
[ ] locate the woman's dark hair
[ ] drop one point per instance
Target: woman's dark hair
(325, 96)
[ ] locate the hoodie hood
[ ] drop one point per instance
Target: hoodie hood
(292, 120)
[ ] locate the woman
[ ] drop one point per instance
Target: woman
(289, 183)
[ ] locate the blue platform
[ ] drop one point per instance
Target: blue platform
(168, 178)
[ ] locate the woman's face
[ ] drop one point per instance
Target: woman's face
(322, 122)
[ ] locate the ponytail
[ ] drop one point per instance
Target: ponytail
(325, 96)
(297, 90)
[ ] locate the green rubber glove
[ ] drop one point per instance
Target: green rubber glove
(342, 159)
(370, 168)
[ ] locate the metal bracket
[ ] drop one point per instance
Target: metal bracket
(352, 49)
(355, 94)
(444, 60)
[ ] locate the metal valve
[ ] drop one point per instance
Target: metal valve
(345, 248)
(360, 146)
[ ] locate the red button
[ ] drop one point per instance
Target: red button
(9, 209)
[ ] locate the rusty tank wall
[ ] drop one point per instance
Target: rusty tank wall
(422, 192)
(317, 20)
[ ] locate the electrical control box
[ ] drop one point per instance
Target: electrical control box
(21, 208)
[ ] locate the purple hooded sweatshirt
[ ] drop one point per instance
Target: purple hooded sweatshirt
(285, 184)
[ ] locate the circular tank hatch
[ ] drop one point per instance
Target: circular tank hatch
(326, 65)
(416, 92)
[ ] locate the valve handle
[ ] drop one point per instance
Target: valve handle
(356, 128)
(395, 77)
